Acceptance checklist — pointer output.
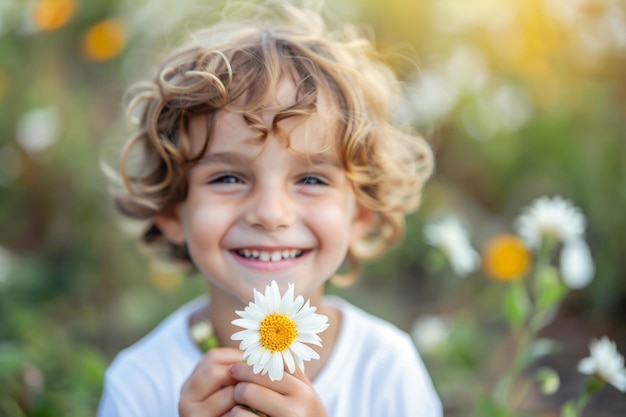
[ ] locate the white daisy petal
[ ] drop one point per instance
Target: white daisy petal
(303, 351)
(299, 363)
(247, 324)
(263, 363)
(297, 304)
(253, 356)
(311, 339)
(252, 340)
(254, 313)
(276, 367)
(287, 301)
(258, 299)
(277, 330)
(605, 362)
(272, 294)
(242, 335)
(291, 364)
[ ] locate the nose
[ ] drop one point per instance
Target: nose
(270, 208)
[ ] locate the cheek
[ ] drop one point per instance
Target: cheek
(202, 222)
(334, 221)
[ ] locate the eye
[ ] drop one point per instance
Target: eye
(225, 179)
(313, 180)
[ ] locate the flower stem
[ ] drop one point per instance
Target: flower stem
(525, 334)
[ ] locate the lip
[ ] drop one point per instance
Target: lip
(269, 266)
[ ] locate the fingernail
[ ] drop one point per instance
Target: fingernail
(232, 369)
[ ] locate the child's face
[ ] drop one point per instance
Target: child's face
(262, 212)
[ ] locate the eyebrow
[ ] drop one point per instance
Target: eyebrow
(322, 158)
(225, 158)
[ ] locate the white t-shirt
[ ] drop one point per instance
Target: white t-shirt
(374, 370)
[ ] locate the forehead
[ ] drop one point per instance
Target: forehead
(307, 134)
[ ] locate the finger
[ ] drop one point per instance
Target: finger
(219, 403)
(298, 374)
(287, 385)
(241, 411)
(258, 397)
(211, 373)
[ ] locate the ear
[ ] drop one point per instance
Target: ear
(361, 223)
(170, 224)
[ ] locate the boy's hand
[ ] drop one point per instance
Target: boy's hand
(292, 396)
(208, 392)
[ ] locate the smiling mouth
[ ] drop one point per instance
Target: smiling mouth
(270, 256)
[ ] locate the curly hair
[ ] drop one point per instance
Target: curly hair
(237, 66)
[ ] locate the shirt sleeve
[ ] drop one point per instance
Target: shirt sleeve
(128, 392)
(407, 390)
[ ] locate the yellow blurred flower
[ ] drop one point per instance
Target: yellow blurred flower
(104, 40)
(505, 258)
(52, 14)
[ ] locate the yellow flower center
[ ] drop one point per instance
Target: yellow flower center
(505, 258)
(277, 332)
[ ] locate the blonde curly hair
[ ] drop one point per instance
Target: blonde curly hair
(243, 61)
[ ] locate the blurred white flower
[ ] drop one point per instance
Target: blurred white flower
(466, 68)
(429, 332)
(511, 106)
(576, 264)
(38, 129)
(452, 238)
(550, 217)
(433, 97)
(605, 362)
(201, 331)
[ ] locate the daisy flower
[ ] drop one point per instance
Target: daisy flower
(605, 362)
(451, 237)
(276, 330)
(553, 217)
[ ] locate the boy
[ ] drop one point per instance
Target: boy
(268, 155)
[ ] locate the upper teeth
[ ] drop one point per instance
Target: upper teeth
(267, 256)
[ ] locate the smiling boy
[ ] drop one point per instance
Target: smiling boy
(269, 155)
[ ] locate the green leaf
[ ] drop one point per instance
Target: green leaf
(569, 409)
(488, 407)
(517, 304)
(12, 358)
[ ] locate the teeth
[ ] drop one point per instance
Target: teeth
(266, 256)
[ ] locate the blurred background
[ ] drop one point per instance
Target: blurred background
(519, 99)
